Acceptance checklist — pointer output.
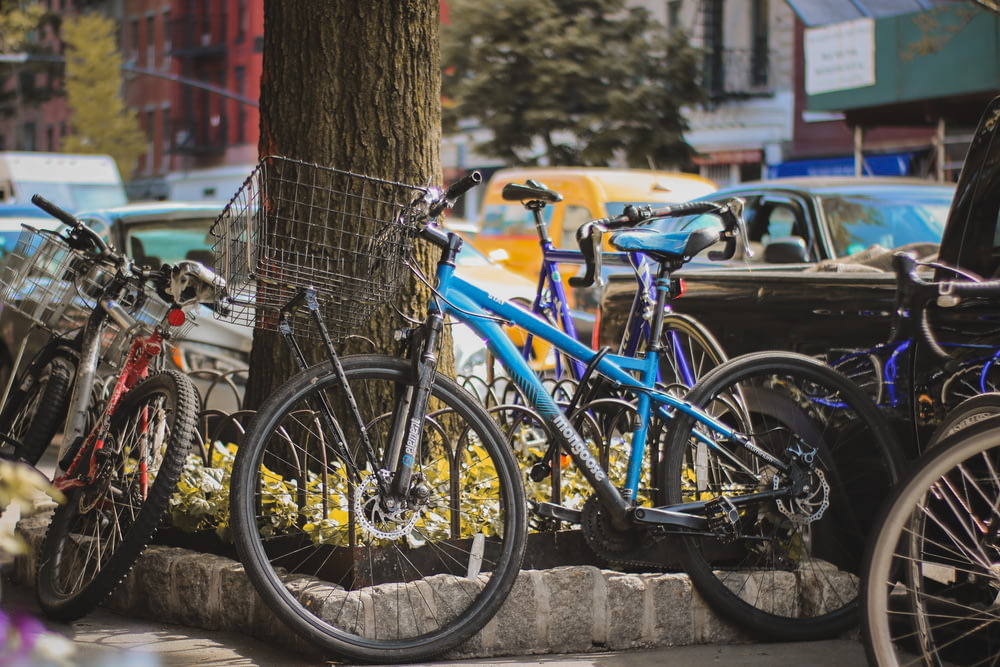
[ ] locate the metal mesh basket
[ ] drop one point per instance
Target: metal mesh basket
(57, 288)
(48, 282)
(295, 224)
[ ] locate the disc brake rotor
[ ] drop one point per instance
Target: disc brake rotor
(809, 505)
(376, 519)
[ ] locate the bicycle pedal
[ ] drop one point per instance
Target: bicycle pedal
(540, 472)
(722, 516)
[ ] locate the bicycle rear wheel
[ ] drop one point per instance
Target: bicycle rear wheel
(788, 567)
(933, 568)
(96, 536)
(337, 561)
(36, 407)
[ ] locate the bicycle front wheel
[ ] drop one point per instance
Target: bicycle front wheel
(96, 536)
(363, 575)
(933, 569)
(689, 351)
(820, 458)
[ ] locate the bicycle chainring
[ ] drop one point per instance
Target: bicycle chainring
(607, 541)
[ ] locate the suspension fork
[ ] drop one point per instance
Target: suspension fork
(83, 383)
(411, 408)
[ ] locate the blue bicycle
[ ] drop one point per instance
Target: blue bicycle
(687, 351)
(376, 505)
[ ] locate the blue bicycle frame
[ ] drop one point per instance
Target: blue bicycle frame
(484, 312)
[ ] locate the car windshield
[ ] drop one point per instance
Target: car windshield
(78, 196)
(888, 218)
(470, 256)
(170, 241)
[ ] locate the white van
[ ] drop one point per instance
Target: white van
(74, 182)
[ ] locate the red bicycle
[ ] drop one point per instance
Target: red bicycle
(122, 452)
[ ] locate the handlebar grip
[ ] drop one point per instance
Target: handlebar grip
(67, 218)
(463, 185)
(685, 208)
(986, 288)
(55, 211)
(455, 190)
(585, 237)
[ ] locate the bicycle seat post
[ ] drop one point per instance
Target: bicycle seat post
(536, 206)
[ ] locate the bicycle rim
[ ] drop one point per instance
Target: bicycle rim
(933, 570)
(96, 536)
(788, 568)
(349, 574)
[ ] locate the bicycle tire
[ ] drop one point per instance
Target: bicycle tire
(698, 352)
(788, 402)
(96, 536)
(37, 407)
(930, 572)
(454, 596)
(969, 412)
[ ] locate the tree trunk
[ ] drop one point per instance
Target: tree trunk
(352, 85)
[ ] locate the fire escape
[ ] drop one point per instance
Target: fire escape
(198, 43)
(734, 72)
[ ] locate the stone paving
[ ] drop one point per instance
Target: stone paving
(559, 610)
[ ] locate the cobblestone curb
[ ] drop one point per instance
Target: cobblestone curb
(561, 610)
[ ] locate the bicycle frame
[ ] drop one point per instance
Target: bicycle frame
(550, 296)
(83, 467)
(482, 312)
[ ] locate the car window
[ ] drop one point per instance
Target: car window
(170, 242)
(782, 222)
(573, 218)
(510, 220)
(888, 219)
(470, 256)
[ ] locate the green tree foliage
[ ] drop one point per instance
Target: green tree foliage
(101, 122)
(589, 81)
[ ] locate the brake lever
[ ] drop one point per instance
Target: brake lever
(735, 228)
(588, 236)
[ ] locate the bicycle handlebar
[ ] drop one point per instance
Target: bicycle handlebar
(79, 228)
(914, 294)
(455, 190)
(184, 283)
(589, 235)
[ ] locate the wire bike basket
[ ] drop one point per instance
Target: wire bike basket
(57, 287)
(295, 224)
(50, 283)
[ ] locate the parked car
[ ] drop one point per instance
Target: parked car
(822, 283)
(819, 275)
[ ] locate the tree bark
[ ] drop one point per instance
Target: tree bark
(353, 85)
